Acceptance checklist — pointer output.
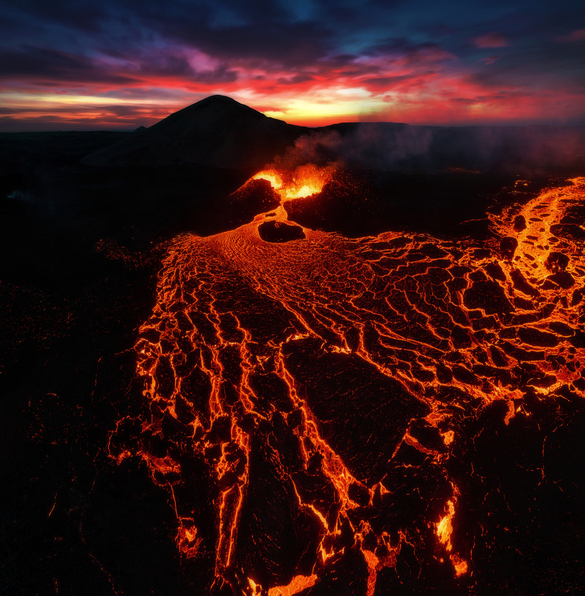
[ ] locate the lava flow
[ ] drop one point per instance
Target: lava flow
(303, 398)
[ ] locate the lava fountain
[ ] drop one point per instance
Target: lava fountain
(306, 404)
(302, 182)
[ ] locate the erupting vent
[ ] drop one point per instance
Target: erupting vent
(302, 182)
(323, 384)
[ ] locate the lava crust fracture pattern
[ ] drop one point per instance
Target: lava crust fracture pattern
(303, 399)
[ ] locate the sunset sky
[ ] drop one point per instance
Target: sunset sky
(120, 64)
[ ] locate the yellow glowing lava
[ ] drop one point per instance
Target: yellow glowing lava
(304, 181)
(298, 584)
(444, 530)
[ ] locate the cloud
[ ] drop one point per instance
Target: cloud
(178, 65)
(291, 46)
(490, 59)
(578, 35)
(491, 40)
(541, 68)
(82, 15)
(302, 61)
(47, 66)
(386, 82)
(412, 53)
(295, 80)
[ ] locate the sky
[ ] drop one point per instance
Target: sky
(120, 64)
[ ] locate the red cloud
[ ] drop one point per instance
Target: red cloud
(578, 35)
(490, 59)
(491, 40)
(417, 84)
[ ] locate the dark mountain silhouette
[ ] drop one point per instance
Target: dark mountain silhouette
(220, 132)
(217, 131)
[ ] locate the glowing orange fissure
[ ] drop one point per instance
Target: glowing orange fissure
(202, 351)
(445, 531)
(304, 181)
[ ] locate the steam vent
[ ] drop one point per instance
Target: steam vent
(323, 377)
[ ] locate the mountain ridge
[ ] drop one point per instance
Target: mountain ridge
(216, 131)
(220, 132)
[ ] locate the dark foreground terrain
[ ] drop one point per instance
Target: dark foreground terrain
(82, 247)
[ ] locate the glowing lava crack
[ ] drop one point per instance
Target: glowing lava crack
(321, 382)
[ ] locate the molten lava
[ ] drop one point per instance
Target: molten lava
(304, 181)
(321, 386)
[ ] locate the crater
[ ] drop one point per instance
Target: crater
(276, 231)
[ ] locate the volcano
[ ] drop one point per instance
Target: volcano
(241, 358)
(217, 131)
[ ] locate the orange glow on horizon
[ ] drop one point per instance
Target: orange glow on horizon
(328, 96)
(34, 112)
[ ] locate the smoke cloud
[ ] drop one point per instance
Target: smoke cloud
(531, 150)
